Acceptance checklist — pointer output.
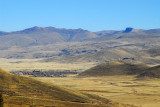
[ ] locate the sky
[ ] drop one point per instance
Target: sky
(93, 15)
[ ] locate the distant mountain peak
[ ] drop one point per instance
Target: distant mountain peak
(35, 27)
(3, 33)
(128, 29)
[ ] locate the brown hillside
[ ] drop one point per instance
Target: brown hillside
(18, 90)
(114, 68)
(153, 72)
(13, 85)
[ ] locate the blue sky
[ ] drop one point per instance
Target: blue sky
(93, 15)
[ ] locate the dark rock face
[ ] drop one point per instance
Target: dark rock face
(128, 29)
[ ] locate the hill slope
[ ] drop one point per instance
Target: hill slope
(153, 72)
(18, 85)
(114, 68)
(19, 90)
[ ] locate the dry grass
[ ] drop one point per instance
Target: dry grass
(32, 64)
(19, 91)
(122, 89)
(115, 68)
(37, 102)
(13, 85)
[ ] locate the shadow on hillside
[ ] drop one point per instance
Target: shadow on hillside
(1, 100)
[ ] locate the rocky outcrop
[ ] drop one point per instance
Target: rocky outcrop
(128, 29)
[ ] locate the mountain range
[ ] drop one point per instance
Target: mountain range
(43, 36)
(50, 35)
(71, 45)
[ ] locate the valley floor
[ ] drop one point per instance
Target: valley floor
(122, 89)
(37, 64)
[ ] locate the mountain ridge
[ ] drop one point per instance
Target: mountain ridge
(82, 45)
(42, 36)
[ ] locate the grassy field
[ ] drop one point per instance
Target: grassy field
(36, 64)
(122, 89)
(19, 91)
